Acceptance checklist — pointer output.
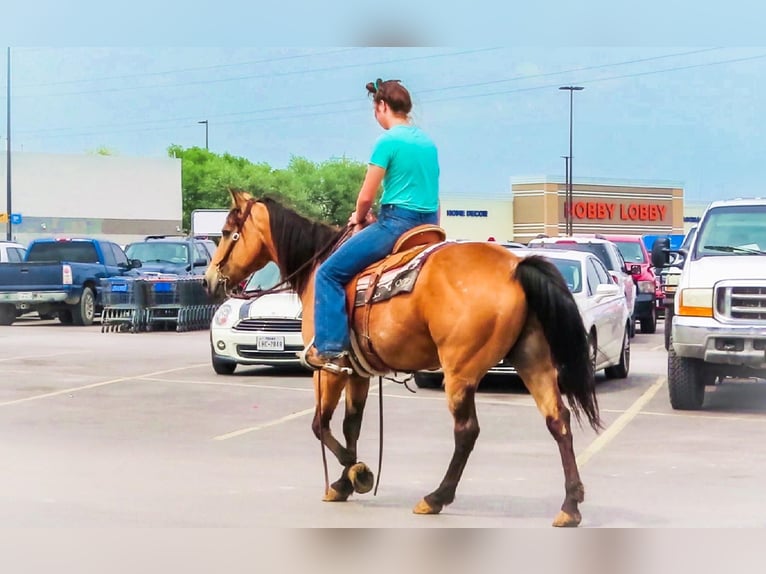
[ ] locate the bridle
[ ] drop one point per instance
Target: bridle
(234, 237)
(240, 224)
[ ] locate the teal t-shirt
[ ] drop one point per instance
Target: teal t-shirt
(412, 168)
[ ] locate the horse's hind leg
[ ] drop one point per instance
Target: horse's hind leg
(532, 360)
(355, 476)
(460, 397)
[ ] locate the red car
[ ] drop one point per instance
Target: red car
(648, 288)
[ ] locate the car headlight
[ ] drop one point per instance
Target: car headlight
(223, 316)
(646, 287)
(696, 303)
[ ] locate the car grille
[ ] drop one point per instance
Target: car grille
(271, 325)
(252, 352)
(746, 303)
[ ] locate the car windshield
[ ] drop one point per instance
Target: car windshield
(631, 251)
(733, 230)
(571, 271)
(158, 252)
(265, 278)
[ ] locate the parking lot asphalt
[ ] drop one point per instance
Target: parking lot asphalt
(119, 429)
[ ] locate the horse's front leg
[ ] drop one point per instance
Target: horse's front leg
(355, 476)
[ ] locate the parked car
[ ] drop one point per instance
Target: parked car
(260, 331)
(634, 252)
(11, 252)
(602, 306)
(61, 276)
(172, 254)
(719, 319)
(609, 255)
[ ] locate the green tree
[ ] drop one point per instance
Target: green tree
(325, 191)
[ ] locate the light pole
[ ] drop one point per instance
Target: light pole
(570, 193)
(567, 207)
(8, 198)
(204, 122)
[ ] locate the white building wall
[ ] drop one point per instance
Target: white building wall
(120, 198)
(476, 219)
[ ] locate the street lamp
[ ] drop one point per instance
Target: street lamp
(569, 192)
(204, 122)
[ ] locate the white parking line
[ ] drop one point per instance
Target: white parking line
(284, 419)
(38, 356)
(658, 347)
(96, 385)
(618, 425)
(268, 424)
(229, 384)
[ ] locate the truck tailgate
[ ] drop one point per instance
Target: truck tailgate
(30, 277)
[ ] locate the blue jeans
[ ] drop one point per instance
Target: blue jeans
(371, 244)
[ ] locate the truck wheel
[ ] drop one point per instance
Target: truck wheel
(429, 380)
(84, 312)
(621, 370)
(7, 314)
(649, 322)
(686, 384)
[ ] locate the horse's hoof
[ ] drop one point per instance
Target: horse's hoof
(566, 520)
(361, 477)
(333, 495)
(423, 507)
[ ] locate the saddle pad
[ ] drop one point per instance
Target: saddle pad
(394, 281)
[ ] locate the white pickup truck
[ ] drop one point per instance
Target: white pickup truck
(719, 320)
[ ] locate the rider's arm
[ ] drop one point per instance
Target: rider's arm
(366, 196)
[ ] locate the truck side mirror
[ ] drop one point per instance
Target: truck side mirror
(660, 252)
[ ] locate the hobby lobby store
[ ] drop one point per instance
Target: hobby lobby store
(539, 207)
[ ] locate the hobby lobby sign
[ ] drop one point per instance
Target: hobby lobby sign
(620, 211)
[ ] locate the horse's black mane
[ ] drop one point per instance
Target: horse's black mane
(297, 240)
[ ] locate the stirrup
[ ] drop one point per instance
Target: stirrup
(325, 365)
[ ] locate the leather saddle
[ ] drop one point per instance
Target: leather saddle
(394, 275)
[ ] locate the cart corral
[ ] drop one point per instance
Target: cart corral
(149, 303)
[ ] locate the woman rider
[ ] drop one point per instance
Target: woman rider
(405, 161)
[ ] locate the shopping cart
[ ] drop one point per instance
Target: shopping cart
(124, 305)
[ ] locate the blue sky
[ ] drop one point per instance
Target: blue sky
(688, 114)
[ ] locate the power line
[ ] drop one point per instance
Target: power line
(185, 70)
(292, 107)
(259, 76)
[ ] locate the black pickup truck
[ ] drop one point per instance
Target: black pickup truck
(61, 277)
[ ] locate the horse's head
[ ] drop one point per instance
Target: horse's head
(245, 245)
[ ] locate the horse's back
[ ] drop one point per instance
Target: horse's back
(465, 297)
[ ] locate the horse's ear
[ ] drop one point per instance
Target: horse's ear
(239, 196)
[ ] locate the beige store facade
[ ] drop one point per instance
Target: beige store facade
(634, 208)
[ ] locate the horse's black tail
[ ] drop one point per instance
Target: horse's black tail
(550, 299)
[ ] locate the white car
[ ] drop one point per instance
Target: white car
(602, 306)
(610, 256)
(261, 331)
(11, 252)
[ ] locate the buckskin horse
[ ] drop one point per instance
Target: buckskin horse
(471, 305)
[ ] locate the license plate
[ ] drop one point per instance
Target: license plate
(119, 288)
(26, 296)
(163, 287)
(270, 343)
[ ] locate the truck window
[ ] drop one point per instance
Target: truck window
(58, 251)
(732, 226)
(119, 254)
